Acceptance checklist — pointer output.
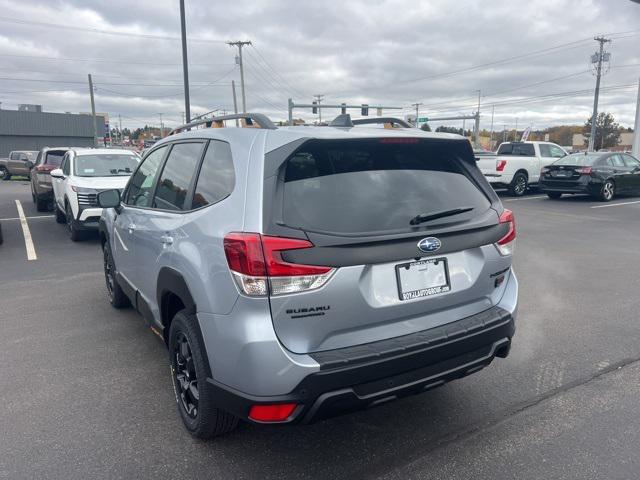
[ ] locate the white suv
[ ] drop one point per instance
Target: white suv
(84, 173)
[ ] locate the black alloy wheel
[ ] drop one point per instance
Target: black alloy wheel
(185, 377)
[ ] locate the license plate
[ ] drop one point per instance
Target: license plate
(422, 278)
(561, 174)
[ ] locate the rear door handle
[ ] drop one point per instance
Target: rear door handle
(131, 228)
(166, 239)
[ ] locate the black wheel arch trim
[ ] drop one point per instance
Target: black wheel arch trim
(171, 281)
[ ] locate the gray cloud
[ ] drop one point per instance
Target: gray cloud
(393, 52)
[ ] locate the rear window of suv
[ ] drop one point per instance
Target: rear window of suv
(523, 149)
(353, 187)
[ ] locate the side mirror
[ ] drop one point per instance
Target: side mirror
(109, 199)
(57, 173)
(29, 164)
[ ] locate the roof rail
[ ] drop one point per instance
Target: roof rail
(252, 120)
(379, 120)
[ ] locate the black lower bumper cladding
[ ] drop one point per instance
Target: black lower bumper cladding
(362, 376)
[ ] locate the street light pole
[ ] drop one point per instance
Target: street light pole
(93, 112)
(185, 64)
(417, 105)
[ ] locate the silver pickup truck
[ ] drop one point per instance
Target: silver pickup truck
(20, 162)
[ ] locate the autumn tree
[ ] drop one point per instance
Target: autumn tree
(607, 131)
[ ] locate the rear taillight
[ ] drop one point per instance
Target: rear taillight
(45, 168)
(543, 171)
(258, 267)
(507, 244)
(500, 164)
(584, 170)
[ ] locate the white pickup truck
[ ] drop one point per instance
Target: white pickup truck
(516, 165)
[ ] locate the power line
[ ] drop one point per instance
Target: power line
(21, 21)
(100, 83)
(107, 60)
(277, 73)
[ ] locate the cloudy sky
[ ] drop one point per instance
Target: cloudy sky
(529, 59)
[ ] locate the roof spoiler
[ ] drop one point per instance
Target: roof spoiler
(250, 120)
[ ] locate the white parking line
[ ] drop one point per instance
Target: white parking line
(616, 204)
(28, 242)
(28, 218)
(525, 198)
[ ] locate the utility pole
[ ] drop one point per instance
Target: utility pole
(597, 58)
(161, 126)
(493, 107)
(635, 150)
(185, 63)
(477, 123)
(235, 100)
(93, 112)
(318, 98)
(515, 134)
(417, 105)
(241, 44)
(120, 127)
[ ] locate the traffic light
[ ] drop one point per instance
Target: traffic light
(314, 109)
(365, 109)
(343, 110)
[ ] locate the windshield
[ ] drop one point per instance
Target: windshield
(105, 165)
(524, 149)
(356, 187)
(578, 159)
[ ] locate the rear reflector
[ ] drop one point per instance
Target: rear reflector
(500, 164)
(507, 244)
(258, 267)
(272, 413)
(45, 168)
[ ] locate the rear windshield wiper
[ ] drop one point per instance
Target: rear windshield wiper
(425, 217)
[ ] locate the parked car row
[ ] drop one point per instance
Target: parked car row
(518, 166)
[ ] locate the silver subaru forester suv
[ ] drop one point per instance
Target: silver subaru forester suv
(300, 272)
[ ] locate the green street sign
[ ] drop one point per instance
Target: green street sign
(423, 119)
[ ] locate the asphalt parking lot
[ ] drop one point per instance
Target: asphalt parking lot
(86, 391)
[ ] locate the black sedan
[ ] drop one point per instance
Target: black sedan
(601, 175)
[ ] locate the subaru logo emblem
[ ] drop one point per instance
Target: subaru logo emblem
(429, 244)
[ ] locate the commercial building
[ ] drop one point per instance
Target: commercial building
(624, 143)
(33, 130)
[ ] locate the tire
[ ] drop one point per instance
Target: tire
(60, 218)
(519, 185)
(608, 191)
(189, 368)
(41, 205)
(117, 297)
(4, 174)
(554, 195)
(74, 234)
(33, 195)
(1, 239)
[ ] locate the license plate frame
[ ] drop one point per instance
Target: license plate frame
(425, 291)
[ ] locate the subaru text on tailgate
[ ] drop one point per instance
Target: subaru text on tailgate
(299, 272)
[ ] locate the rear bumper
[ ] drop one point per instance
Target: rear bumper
(366, 375)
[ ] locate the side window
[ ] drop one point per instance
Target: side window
(217, 177)
(545, 151)
(631, 162)
(13, 156)
(556, 152)
(616, 161)
(139, 189)
(64, 165)
(176, 177)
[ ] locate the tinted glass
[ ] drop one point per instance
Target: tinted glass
(579, 159)
(105, 165)
(64, 165)
(616, 161)
(524, 149)
(373, 186)
(54, 158)
(139, 190)
(176, 177)
(631, 162)
(217, 178)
